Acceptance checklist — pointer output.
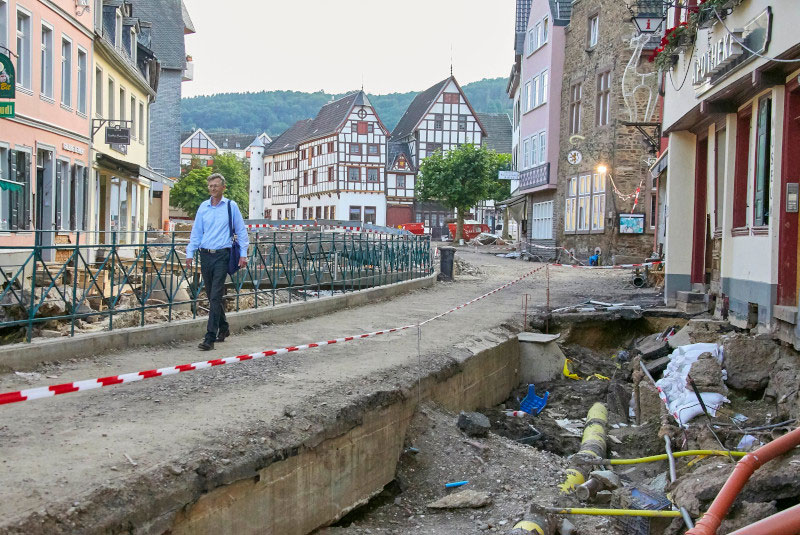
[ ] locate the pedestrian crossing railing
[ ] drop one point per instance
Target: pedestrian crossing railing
(108, 280)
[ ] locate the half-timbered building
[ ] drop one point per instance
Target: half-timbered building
(280, 172)
(439, 118)
(341, 163)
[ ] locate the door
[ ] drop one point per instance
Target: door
(398, 214)
(698, 275)
(788, 245)
(44, 223)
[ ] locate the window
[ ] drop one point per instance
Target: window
(80, 198)
(430, 148)
(330, 146)
(585, 203)
(355, 213)
(575, 94)
(46, 67)
(118, 30)
(23, 49)
(305, 178)
(82, 81)
(319, 212)
(354, 174)
(536, 90)
(598, 200)
(63, 195)
(355, 148)
(451, 98)
(66, 72)
(373, 149)
(462, 122)
(132, 48)
(538, 34)
(362, 127)
(330, 174)
(303, 154)
(333, 212)
(594, 30)
(142, 123)
(526, 153)
(15, 205)
(438, 121)
(280, 214)
(653, 208)
(542, 147)
(4, 23)
(743, 126)
(763, 162)
(122, 103)
(535, 150)
(314, 177)
(372, 174)
(401, 181)
(542, 221)
(268, 213)
(369, 214)
(110, 110)
(133, 117)
(98, 91)
(527, 97)
(603, 105)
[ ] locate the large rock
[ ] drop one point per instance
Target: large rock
(652, 347)
(749, 361)
(460, 500)
(782, 389)
(474, 424)
(706, 372)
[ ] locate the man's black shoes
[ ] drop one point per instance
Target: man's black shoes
(223, 335)
(206, 346)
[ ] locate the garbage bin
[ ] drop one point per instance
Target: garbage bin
(446, 266)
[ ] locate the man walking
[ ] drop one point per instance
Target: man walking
(211, 235)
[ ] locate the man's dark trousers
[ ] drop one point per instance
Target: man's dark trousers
(214, 267)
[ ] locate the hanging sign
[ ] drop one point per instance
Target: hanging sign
(118, 135)
(7, 109)
(508, 175)
(8, 78)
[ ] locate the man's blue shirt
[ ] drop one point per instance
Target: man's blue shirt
(211, 231)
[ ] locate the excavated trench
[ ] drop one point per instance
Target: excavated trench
(521, 461)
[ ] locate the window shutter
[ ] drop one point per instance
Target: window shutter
(59, 187)
(72, 186)
(85, 200)
(12, 175)
(761, 163)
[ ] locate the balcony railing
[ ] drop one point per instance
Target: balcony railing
(534, 177)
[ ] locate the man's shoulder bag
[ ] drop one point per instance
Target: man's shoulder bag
(236, 251)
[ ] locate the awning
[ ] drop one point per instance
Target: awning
(121, 165)
(516, 206)
(10, 185)
(660, 164)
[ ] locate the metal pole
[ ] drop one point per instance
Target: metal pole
(144, 278)
(547, 317)
(111, 292)
(73, 310)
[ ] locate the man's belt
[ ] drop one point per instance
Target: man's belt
(214, 251)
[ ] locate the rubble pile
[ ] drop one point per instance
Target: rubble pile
(517, 471)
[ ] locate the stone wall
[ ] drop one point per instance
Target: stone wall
(620, 148)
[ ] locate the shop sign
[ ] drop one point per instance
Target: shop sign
(117, 135)
(508, 175)
(7, 109)
(724, 52)
(69, 147)
(8, 78)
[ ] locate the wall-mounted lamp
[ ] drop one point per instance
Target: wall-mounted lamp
(602, 169)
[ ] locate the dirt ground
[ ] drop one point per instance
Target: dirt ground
(65, 459)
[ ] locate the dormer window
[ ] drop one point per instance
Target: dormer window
(118, 31)
(132, 50)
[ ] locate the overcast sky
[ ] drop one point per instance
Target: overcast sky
(396, 46)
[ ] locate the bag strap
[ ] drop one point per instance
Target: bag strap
(230, 221)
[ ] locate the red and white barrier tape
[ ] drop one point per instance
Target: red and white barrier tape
(91, 384)
(323, 227)
(618, 266)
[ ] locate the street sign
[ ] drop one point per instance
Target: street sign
(508, 175)
(648, 24)
(118, 135)
(7, 109)
(8, 79)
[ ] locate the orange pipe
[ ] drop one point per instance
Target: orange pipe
(784, 523)
(748, 464)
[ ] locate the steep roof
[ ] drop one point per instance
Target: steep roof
(333, 114)
(168, 26)
(417, 110)
(289, 140)
(395, 149)
(498, 132)
(562, 11)
(231, 141)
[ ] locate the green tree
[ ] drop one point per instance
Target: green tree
(500, 190)
(191, 190)
(459, 179)
(237, 178)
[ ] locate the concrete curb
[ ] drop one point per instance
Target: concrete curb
(22, 357)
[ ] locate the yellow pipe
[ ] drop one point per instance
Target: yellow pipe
(529, 526)
(612, 512)
(663, 456)
(574, 478)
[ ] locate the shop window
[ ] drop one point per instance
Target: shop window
(585, 203)
(763, 163)
(598, 201)
(355, 213)
(542, 221)
(15, 166)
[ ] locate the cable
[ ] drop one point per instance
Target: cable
(748, 49)
(685, 76)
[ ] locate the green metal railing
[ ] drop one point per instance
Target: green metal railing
(129, 284)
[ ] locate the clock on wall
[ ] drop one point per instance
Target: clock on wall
(362, 113)
(574, 157)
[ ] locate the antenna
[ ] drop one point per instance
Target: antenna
(451, 59)
(362, 81)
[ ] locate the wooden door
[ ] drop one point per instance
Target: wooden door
(787, 237)
(700, 222)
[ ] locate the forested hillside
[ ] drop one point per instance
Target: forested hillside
(275, 111)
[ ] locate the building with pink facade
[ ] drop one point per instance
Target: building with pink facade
(44, 148)
(535, 87)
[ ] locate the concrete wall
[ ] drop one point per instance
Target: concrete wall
(680, 214)
(321, 483)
